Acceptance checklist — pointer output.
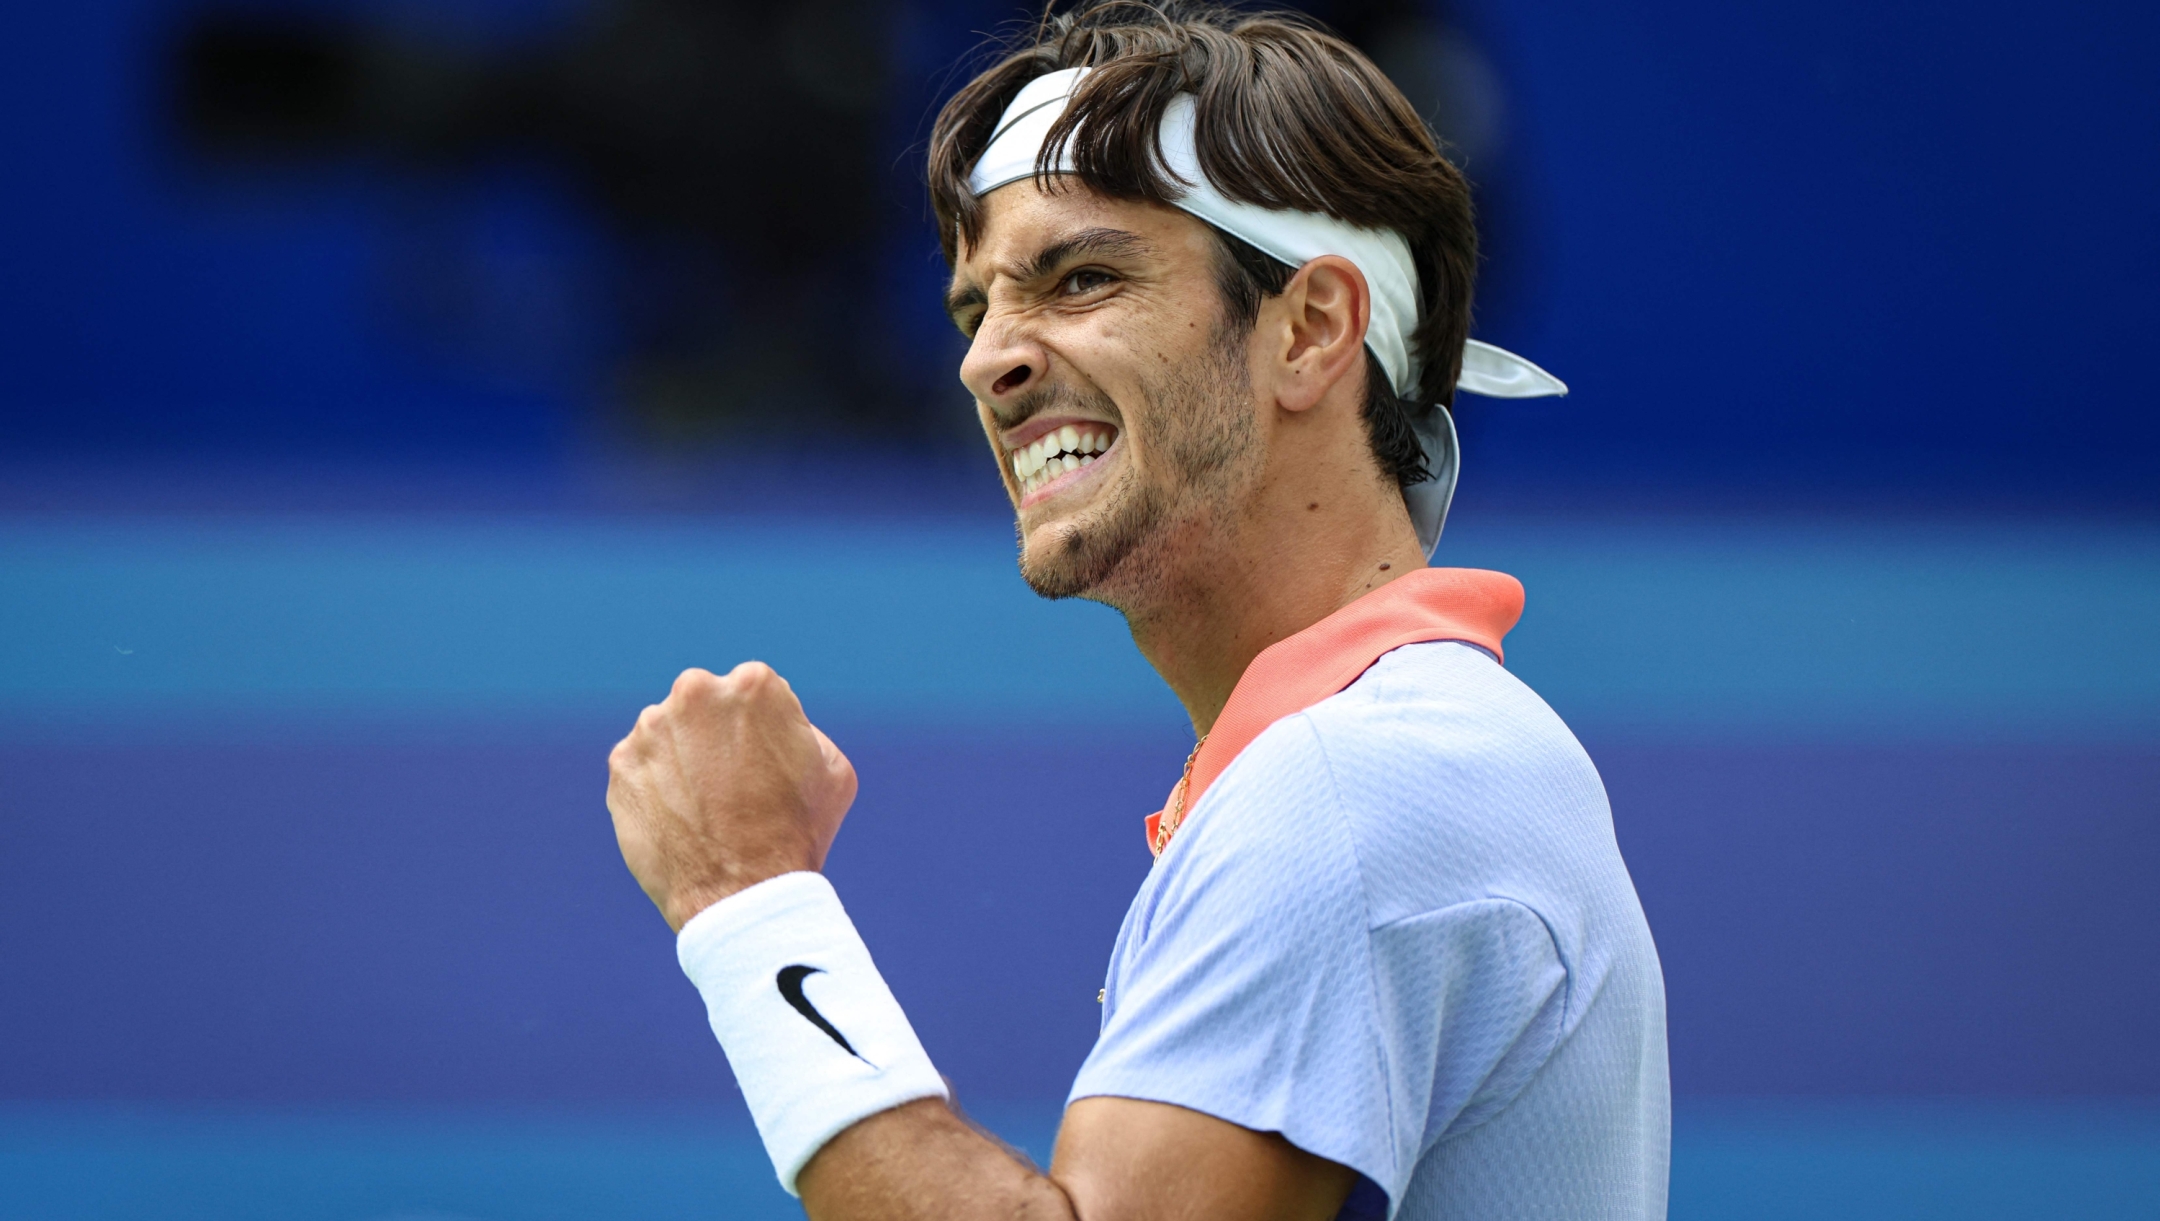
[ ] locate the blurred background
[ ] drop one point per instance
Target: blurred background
(394, 396)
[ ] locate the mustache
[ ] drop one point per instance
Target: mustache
(1050, 398)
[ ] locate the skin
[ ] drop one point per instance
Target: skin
(1239, 504)
(1302, 523)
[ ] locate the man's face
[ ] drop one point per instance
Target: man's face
(1121, 413)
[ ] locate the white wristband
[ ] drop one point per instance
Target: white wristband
(816, 1039)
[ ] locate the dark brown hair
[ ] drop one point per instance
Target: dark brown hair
(1287, 116)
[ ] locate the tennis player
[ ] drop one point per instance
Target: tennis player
(1217, 277)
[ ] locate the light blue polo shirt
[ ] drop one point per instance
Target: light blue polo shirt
(1397, 930)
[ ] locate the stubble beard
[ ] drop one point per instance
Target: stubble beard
(1204, 444)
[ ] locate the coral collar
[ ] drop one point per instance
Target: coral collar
(1293, 674)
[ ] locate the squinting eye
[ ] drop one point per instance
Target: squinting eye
(1085, 280)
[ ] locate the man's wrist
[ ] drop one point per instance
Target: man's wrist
(684, 906)
(816, 1039)
(684, 903)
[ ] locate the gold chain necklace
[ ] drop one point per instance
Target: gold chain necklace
(1167, 826)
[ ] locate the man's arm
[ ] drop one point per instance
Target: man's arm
(1117, 1159)
(727, 784)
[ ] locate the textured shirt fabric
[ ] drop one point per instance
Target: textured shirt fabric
(1397, 930)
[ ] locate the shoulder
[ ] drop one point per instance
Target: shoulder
(1440, 778)
(1444, 703)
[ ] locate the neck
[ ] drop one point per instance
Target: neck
(1297, 556)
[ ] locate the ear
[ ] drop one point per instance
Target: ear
(1320, 319)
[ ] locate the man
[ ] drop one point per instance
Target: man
(1216, 277)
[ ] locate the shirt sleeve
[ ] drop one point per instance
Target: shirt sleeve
(1251, 986)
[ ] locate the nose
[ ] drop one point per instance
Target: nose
(1002, 364)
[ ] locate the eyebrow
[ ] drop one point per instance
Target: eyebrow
(1100, 242)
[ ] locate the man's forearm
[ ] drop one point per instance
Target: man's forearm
(921, 1162)
(1118, 1159)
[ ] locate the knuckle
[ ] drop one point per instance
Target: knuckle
(693, 682)
(763, 683)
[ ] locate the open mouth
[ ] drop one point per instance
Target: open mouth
(1059, 452)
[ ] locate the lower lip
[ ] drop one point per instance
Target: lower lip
(1070, 479)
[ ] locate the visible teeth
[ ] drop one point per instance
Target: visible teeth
(1067, 449)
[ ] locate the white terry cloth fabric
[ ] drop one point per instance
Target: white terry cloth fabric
(816, 1039)
(1398, 930)
(1295, 238)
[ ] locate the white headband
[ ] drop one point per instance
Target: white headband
(1295, 238)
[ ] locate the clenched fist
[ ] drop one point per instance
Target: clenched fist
(722, 785)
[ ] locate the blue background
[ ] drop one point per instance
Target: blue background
(1842, 559)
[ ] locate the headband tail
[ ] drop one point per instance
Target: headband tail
(1499, 373)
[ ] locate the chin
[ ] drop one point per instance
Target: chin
(1054, 562)
(1099, 554)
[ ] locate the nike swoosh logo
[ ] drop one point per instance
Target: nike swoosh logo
(790, 980)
